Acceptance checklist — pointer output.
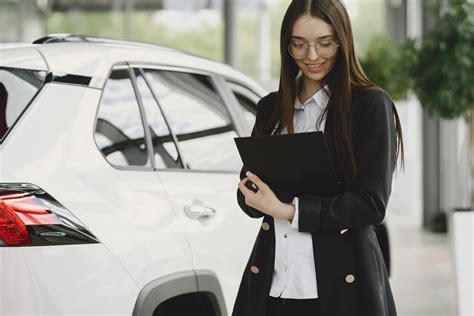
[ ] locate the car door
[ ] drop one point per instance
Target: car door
(203, 189)
(136, 221)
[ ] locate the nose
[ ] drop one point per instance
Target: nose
(312, 53)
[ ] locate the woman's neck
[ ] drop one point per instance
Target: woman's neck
(308, 87)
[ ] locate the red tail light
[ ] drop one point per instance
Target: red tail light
(12, 230)
(18, 211)
(31, 217)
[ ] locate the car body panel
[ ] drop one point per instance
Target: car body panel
(25, 57)
(133, 202)
(64, 280)
(223, 242)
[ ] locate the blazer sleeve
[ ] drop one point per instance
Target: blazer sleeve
(365, 199)
(261, 108)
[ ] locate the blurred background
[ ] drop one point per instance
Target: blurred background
(420, 51)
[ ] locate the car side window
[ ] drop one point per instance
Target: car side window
(119, 132)
(17, 88)
(199, 119)
(248, 102)
(165, 151)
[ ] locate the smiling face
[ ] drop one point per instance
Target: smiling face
(312, 30)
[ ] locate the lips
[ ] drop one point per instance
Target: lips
(315, 67)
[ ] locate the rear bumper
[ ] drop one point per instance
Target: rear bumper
(64, 280)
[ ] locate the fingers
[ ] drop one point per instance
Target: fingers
(245, 191)
(252, 177)
(249, 195)
(255, 179)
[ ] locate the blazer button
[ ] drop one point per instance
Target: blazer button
(344, 231)
(265, 226)
(350, 278)
(254, 269)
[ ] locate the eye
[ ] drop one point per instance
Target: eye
(298, 44)
(325, 44)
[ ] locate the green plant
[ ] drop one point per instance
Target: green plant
(443, 65)
(384, 64)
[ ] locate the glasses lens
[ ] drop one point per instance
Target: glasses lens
(326, 49)
(298, 50)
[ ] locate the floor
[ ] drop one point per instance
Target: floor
(422, 279)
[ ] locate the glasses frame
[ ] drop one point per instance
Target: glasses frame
(315, 44)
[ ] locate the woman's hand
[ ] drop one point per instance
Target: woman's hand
(265, 199)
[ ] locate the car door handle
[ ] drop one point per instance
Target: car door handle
(199, 211)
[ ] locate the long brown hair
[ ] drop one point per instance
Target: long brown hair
(345, 79)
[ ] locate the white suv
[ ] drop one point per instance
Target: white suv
(118, 178)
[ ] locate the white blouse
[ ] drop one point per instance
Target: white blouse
(294, 274)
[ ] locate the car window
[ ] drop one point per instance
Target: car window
(199, 119)
(164, 148)
(248, 101)
(119, 132)
(17, 88)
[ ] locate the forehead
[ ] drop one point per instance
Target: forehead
(311, 28)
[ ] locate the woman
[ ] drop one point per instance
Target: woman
(319, 255)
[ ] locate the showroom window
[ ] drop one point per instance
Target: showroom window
(199, 118)
(119, 132)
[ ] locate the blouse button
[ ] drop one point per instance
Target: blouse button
(285, 235)
(254, 269)
(265, 226)
(350, 278)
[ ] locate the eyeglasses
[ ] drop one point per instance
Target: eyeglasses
(299, 49)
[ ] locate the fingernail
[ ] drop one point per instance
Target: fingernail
(248, 174)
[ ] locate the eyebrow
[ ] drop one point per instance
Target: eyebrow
(321, 37)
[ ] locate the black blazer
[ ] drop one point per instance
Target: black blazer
(351, 275)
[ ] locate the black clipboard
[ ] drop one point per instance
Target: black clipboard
(296, 164)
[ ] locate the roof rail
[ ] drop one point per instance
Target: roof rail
(62, 37)
(74, 38)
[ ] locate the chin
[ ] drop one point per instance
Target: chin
(315, 77)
